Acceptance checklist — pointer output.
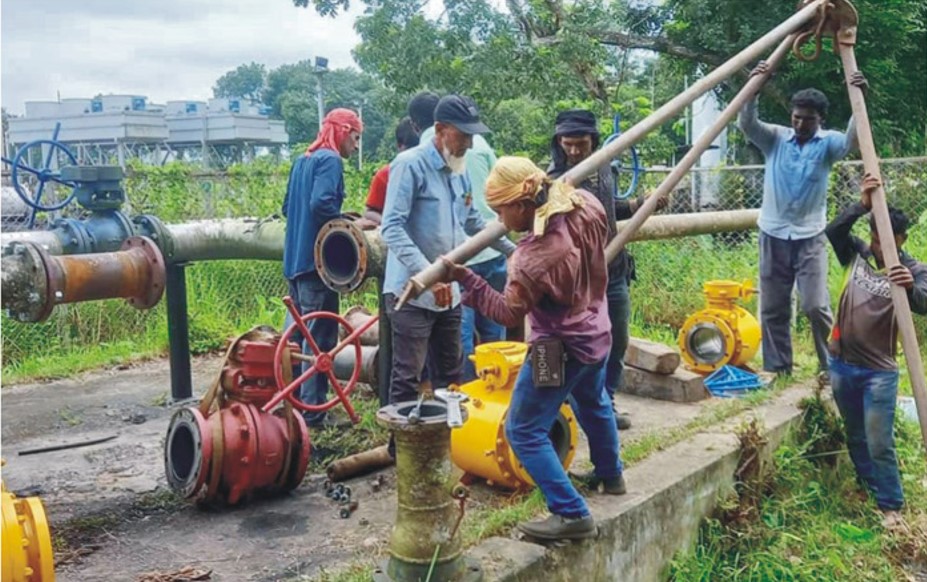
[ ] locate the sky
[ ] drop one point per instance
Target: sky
(162, 49)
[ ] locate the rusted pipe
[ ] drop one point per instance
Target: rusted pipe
(703, 142)
(34, 282)
(357, 316)
(846, 40)
(346, 256)
(359, 464)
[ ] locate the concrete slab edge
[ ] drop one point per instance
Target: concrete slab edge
(670, 493)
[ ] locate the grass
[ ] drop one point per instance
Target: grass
(814, 523)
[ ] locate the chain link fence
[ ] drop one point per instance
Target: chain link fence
(229, 297)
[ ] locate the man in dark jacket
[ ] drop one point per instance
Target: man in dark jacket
(576, 136)
(863, 370)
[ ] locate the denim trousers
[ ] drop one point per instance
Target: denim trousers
(531, 417)
(475, 324)
(310, 294)
(866, 399)
(619, 314)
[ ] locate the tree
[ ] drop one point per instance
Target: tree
(549, 49)
(246, 81)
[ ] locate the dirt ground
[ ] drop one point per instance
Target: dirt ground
(118, 491)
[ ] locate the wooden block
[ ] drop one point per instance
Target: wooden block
(651, 356)
(680, 386)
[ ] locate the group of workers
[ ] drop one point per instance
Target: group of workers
(446, 183)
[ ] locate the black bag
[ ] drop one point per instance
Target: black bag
(548, 363)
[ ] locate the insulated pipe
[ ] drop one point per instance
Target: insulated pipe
(748, 91)
(433, 273)
(672, 107)
(846, 39)
(34, 281)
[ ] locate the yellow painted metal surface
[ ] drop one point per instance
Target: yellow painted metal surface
(27, 549)
(480, 446)
(738, 328)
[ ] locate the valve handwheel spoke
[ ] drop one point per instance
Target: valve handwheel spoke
(54, 149)
(322, 363)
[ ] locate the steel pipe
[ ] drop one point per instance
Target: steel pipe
(346, 255)
(34, 282)
(668, 226)
(703, 142)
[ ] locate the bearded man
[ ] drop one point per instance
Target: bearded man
(429, 211)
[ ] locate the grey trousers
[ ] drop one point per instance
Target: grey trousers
(419, 334)
(783, 263)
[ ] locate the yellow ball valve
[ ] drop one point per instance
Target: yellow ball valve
(27, 548)
(480, 446)
(723, 333)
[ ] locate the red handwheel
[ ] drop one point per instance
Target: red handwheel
(321, 363)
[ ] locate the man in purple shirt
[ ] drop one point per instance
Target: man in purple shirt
(557, 278)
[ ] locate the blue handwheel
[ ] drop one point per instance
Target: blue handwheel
(627, 175)
(42, 176)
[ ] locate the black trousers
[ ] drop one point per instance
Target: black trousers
(418, 332)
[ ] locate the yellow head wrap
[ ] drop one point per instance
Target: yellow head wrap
(514, 178)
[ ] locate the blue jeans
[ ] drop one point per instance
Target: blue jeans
(531, 416)
(473, 323)
(310, 294)
(866, 399)
(619, 314)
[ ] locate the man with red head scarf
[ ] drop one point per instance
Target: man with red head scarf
(314, 196)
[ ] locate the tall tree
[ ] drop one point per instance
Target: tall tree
(245, 81)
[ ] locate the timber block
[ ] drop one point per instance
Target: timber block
(681, 386)
(651, 356)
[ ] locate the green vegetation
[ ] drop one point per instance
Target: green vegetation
(813, 522)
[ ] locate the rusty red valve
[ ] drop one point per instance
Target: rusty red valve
(322, 362)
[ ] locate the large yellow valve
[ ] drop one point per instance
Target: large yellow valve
(27, 548)
(480, 446)
(723, 333)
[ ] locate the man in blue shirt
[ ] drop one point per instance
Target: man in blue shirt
(488, 263)
(314, 195)
(429, 211)
(792, 219)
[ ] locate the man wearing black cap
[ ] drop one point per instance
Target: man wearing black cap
(429, 211)
(576, 136)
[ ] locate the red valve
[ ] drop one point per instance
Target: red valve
(322, 362)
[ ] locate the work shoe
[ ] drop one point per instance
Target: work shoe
(892, 520)
(610, 486)
(623, 420)
(557, 527)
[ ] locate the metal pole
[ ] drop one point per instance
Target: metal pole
(748, 92)
(178, 332)
(319, 98)
(672, 107)
(846, 39)
(385, 356)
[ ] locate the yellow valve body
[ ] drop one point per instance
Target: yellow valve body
(27, 548)
(738, 328)
(480, 446)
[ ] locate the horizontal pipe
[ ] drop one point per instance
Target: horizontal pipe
(343, 364)
(34, 282)
(681, 225)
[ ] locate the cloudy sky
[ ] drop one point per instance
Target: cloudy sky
(164, 49)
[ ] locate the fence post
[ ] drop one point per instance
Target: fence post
(178, 332)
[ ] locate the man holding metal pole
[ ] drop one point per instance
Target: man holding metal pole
(792, 219)
(576, 136)
(557, 278)
(863, 370)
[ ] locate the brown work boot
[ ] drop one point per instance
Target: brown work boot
(557, 527)
(611, 486)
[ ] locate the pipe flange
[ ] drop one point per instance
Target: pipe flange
(186, 451)
(433, 415)
(75, 240)
(341, 255)
(151, 226)
(30, 276)
(157, 278)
